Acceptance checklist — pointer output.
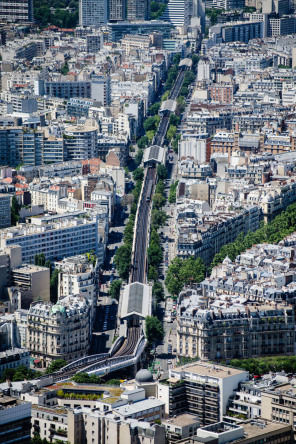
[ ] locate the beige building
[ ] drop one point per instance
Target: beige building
(84, 425)
(278, 404)
(79, 275)
(233, 330)
(59, 331)
(34, 278)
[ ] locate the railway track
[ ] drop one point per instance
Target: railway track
(130, 342)
(138, 267)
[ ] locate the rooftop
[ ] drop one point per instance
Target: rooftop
(183, 420)
(207, 369)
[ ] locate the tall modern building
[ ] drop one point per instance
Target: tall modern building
(178, 12)
(138, 9)
(117, 10)
(5, 216)
(101, 89)
(93, 12)
(16, 11)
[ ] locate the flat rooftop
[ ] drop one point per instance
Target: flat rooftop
(255, 428)
(207, 369)
(183, 420)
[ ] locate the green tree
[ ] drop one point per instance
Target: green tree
(173, 279)
(158, 291)
(152, 273)
(162, 172)
(15, 211)
(54, 282)
(55, 366)
(65, 69)
(114, 291)
(139, 156)
(150, 135)
(153, 329)
(158, 218)
(171, 132)
(176, 59)
(184, 91)
(192, 271)
(184, 272)
(165, 96)
(174, 120)
(122, 260)
(154, 254)
(173, 192)
(138, 174)
(151, 123)
(158, 200)
(143, 142)
(157, 9)
(153, 110)
(181, 104)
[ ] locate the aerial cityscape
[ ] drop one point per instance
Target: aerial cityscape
(147, 221)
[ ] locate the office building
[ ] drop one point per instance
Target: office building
(101, 90)
(178, 12)
(281, 26)
(16, 11)
(56, 237)
(138, 10)
(58, 331)
(62, 89)
(236, 31)
(118, 30)
(117, 10)
(201, 389)
(93, 12)
(15, 420)
(5, 213)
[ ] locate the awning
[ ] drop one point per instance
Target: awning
(36, 361)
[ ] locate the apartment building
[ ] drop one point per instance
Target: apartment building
(221, 93)
(79, 275)
(101, 89)
(56, 236)
(134, 42)
(15, 420)
(227, 329)
(202, 234)
(13, 358)
(31, 147)
(58, 331)
(93, 13)
(247, 432)
(81, 142)
(20, 11)
(278, 404)
(34, 278)
(82, 425)
(201, 389)
(273, 281)
(47, 197)
(5, 213)
(64, 89)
